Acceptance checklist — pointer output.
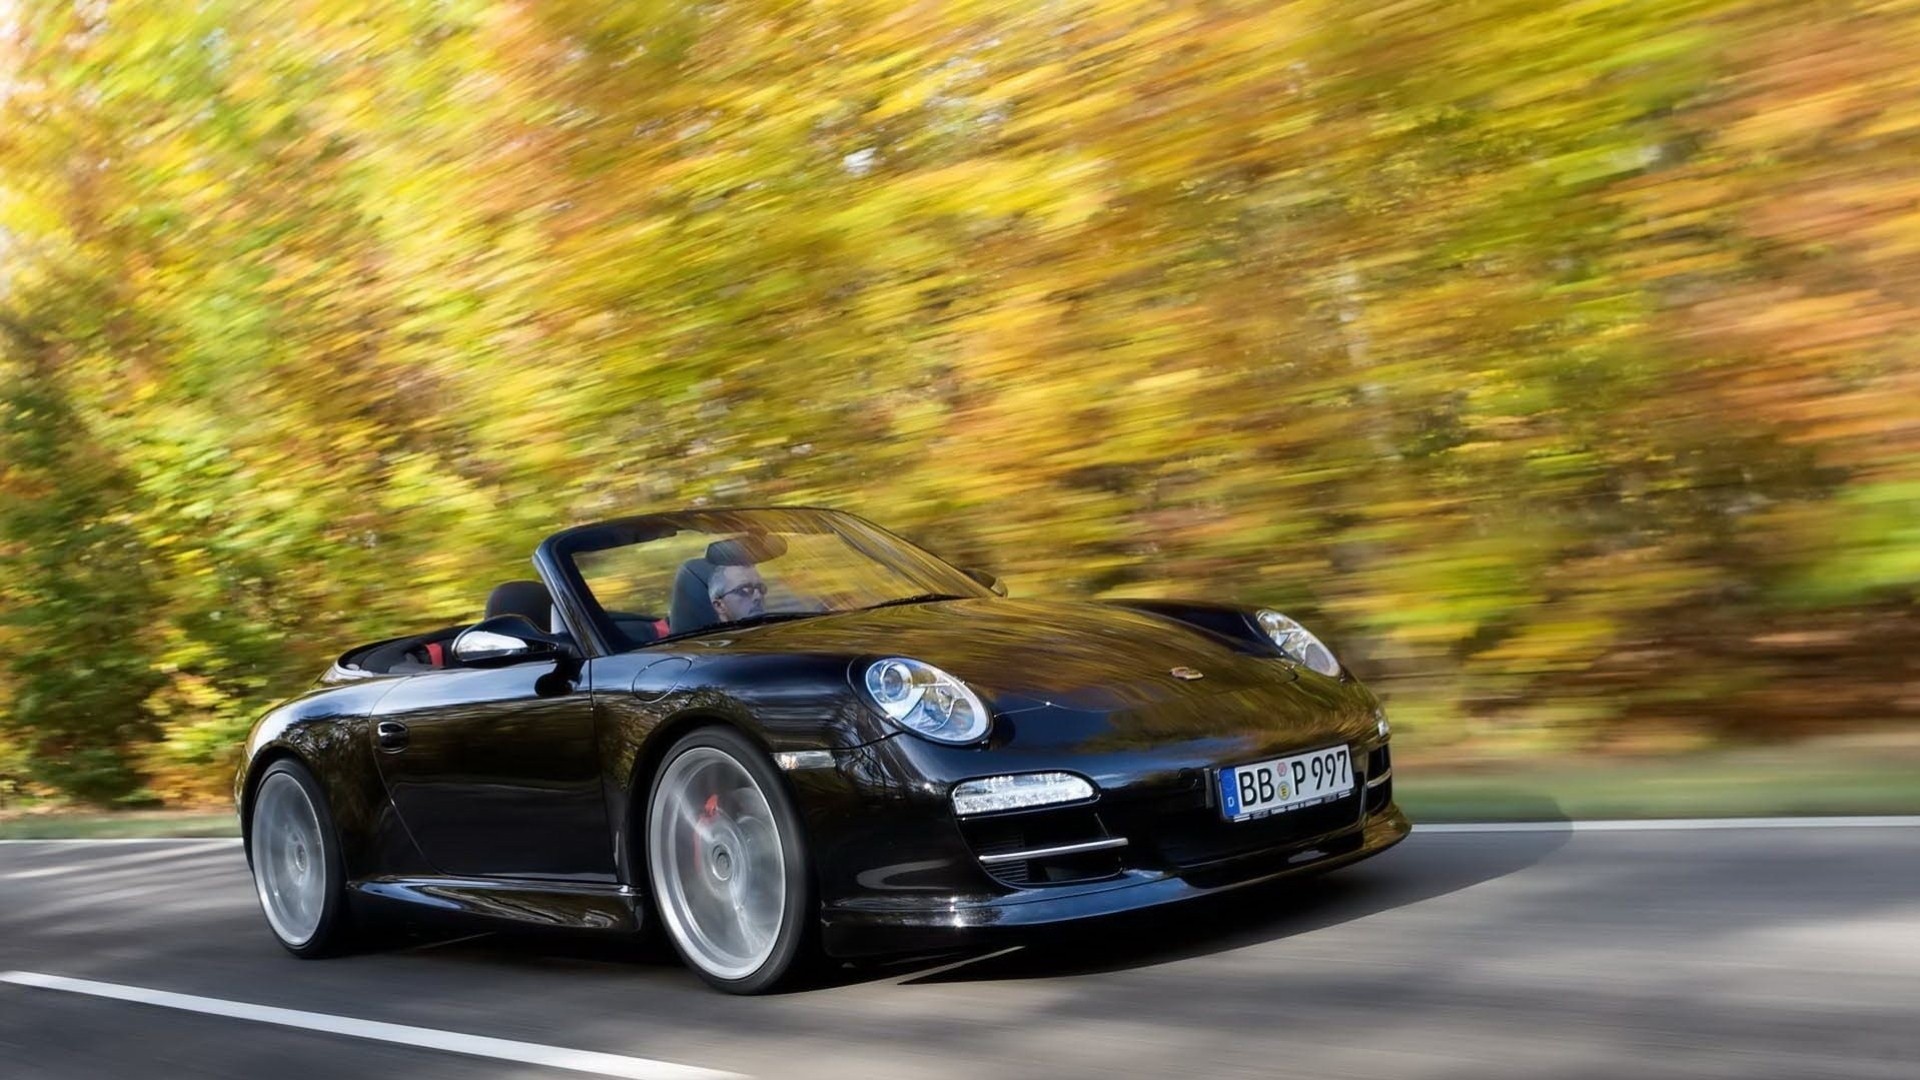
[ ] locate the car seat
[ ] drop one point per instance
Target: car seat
(690, 608)
(526, 598)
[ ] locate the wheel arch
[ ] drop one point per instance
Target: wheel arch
(327, 731)
(646, 762)
(256, 772)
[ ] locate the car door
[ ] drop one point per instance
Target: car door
(495, 771)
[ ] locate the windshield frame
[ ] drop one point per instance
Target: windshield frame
(594, 629)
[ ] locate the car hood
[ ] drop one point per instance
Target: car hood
(1091, 679)
(1026, 654)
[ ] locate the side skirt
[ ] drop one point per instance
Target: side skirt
(555, 905)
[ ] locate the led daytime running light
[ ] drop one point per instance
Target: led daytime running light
(1019, 791)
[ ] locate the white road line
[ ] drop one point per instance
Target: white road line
(181, 841)
(912, 977)
(1675, 824)
(552, 1057)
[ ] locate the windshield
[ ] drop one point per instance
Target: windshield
(668, 575)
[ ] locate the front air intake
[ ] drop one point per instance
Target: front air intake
(1045, 847)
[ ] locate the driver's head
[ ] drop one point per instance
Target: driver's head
(737, 592)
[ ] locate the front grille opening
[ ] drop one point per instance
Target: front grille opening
(1217, 874)
(1058, 869)
(1036, 829)
(1197, 839)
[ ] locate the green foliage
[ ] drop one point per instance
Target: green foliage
(14, 769)
(76, 667)
(1555, 360)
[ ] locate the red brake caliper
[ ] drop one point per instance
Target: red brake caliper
(707, 813)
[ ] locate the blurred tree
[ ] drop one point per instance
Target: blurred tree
(79, 659)
(1554, 359)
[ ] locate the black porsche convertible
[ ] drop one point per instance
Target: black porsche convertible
(780, 734)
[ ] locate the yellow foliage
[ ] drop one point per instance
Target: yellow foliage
(1498, 340)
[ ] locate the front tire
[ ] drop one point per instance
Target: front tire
(727, 863)
(295, 855)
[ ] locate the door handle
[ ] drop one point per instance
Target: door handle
(391, 735)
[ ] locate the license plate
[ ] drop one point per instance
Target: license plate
(1288, 783)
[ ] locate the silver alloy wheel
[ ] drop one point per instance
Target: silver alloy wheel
(289, 859)
(715, 859)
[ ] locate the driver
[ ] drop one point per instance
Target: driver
(737, 592)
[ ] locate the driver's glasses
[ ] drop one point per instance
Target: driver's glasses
(754, 588)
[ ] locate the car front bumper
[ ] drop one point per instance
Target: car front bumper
(873, 925)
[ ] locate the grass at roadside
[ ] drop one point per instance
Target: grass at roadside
(128, 824)
(1837, 776)
(1840, 776)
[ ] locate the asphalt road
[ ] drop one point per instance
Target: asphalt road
(1724, 953)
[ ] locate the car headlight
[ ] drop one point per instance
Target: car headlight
(1298, 643)
(1381, 725)
(925, 700)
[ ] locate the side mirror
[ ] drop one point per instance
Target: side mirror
(506, 639)
(988, 580)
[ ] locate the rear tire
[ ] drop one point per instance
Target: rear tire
(727, 864)
(294, 851)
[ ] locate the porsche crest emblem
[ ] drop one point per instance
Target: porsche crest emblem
(1186, 673)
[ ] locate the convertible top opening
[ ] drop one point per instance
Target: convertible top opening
(397, 656)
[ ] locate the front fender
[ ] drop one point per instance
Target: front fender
(644, 702)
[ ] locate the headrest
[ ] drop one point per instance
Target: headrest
(529, 598)
(746, 549)
(690, 609)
